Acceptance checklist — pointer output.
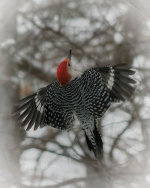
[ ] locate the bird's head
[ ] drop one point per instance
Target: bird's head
(64, 71)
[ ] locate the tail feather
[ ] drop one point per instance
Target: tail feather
(90, 146)
(97, 146)
(98, 140)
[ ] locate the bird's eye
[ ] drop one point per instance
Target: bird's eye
(69, 64)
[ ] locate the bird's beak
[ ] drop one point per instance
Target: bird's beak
(69, 54)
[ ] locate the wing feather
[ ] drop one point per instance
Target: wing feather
(118, 81)
(41, 109)
(104, 85)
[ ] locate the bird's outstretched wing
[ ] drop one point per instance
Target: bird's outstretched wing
(118, 81)
(104, 85)
(40, 109)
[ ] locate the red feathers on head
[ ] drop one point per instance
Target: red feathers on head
(62, 73)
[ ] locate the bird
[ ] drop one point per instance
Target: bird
(83, 95)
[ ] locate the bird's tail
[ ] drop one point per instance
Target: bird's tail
(95, 144)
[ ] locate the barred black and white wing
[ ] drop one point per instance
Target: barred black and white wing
(57, 113)
(104, 85)
(41, 109)
(30, 110)
(118, 81)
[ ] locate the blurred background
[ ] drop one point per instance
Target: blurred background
(35, 36)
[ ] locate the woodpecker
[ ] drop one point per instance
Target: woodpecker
(85, 95)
